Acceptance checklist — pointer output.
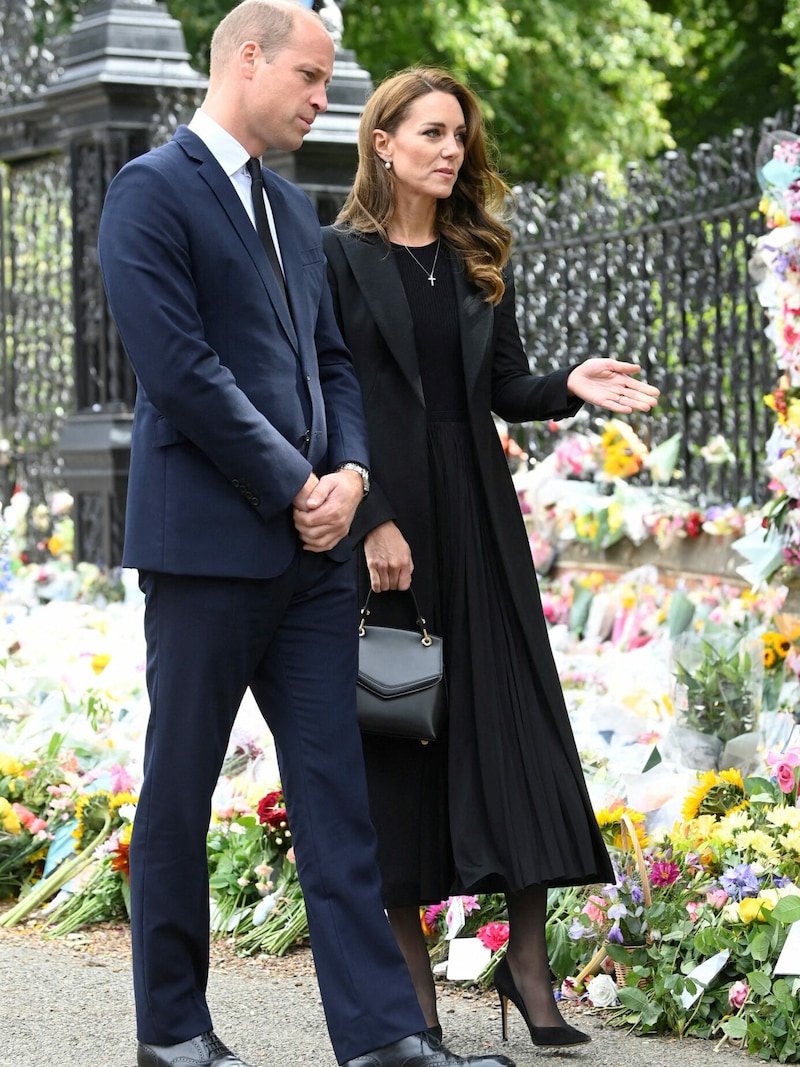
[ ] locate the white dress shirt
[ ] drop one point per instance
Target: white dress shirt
(232, 157)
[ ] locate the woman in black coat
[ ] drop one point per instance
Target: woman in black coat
(419, 268)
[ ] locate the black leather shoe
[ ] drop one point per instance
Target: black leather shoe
(206, 1050)
(423, 1050)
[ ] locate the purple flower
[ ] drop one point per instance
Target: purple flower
(740, 882)
(615, 935)
(577, 930)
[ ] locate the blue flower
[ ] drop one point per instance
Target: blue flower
(740, 882)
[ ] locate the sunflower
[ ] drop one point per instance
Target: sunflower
(96, 812)
(718, 793)
(608, 819)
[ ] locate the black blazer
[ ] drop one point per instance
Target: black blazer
(372, 310)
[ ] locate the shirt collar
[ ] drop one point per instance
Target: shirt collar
(227, 151)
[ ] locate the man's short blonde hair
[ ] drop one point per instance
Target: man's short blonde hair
(270, 23)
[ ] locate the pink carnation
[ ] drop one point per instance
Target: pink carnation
(493, 935)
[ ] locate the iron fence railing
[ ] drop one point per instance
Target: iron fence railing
(657, 272)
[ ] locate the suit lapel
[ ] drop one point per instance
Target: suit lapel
(220, 184)
(292, 267)
(380, 284)
(475, 320)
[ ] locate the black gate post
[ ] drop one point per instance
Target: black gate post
(125, 80)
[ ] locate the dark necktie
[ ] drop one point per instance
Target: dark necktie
(262, 223)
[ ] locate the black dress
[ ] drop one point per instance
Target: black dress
(496, 805)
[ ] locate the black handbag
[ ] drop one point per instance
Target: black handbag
(401, 687)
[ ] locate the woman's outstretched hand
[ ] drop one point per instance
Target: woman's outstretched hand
(611, 383)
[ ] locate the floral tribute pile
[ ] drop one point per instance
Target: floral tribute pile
(775, 267)
(601, 483)
(686, 940)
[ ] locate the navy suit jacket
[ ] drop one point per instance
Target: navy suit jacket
(237, 400)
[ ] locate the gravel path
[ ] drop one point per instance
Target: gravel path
(69, 1003)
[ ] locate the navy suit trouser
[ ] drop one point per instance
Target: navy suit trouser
(291, 639)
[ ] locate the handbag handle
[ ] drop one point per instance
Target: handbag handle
(426, 639)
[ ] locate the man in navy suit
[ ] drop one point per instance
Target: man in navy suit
(248, 461)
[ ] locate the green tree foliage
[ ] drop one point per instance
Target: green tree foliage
(570, 85)
(737, 64)
(791, 27)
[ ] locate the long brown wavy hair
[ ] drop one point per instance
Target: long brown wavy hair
(471, 219)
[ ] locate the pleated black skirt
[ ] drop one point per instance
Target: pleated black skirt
(500, 803)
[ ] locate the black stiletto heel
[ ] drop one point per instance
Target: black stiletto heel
(542, 1036)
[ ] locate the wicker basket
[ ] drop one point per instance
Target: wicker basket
(630, 841)
(622, 970)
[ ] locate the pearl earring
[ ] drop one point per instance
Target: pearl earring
(388, 164)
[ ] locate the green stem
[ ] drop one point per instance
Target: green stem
(50, 885)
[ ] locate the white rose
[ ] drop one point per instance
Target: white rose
(602, 991)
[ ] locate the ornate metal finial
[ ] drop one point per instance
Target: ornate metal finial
(331, 14)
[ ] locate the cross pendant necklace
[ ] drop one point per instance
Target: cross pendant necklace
(430, 276)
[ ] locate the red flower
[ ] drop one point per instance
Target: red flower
(493, 935)
(272, 812)
(694, 524)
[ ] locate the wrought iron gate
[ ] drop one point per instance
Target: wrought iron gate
(36, 338)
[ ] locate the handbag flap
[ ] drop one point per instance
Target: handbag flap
(395, 662)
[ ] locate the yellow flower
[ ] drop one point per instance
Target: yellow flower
(753, 908)
(10, 766)
(776, 646)
(586, 526)
(760, 842)
(783, 815)
(717, 794)
(629, 598)
(100, 661)
(55, 545)
(594, 580)
(739, 819)
(793, 414)
(616, 516)
(608, 819)
(93, 809)
(699, 830)
(9, 821)
(790, 842)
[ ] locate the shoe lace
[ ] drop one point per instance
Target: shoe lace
(212, 1045)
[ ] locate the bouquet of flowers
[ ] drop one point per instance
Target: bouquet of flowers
(718, 689)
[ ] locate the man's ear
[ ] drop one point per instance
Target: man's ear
(249, 54)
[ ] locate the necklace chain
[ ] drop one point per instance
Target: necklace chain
(430, 275)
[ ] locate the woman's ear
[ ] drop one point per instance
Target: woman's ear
(380, 142)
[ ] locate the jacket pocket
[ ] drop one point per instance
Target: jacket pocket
(165, 434)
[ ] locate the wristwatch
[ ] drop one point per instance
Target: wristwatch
(359, 468)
